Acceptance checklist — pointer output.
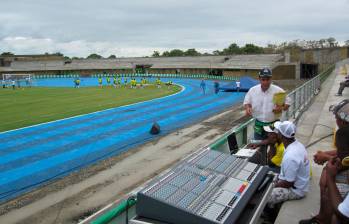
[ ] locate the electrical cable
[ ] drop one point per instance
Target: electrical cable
(318, 140)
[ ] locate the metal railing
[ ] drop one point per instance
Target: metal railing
(303, 95)
(301, 98)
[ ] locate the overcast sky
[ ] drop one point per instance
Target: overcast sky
(138, 27)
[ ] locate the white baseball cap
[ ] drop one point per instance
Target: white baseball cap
(270, 128)
(286, 128)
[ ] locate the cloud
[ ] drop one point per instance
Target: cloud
(80, 48)
(138, 27)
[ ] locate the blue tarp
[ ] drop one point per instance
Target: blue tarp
(245, 84)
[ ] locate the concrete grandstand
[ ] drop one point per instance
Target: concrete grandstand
(232, 65)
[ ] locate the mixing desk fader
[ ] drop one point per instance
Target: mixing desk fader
(207, 187)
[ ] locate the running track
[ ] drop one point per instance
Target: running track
(36, 155)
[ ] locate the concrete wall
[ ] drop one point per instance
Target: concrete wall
(324, 57)
(281, 71)
(6, 60)
(242, 72)
(285, 71)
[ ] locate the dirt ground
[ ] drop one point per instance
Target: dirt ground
(73, 198)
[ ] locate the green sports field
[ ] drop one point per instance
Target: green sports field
(29, 106)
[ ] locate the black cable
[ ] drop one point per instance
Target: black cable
(319, 139)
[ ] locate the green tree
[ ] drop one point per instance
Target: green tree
(173, 53)
(156, 54)
(216, 52)
(112, 56)
(7, 54)
(191, 52)
(94, 56)
(251, 49)
(58, 54)
(165, 54)
(232, 49)
(176, 53)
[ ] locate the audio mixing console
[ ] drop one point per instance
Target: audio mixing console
(206, 187)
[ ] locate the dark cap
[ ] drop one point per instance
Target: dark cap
(341, 110)
(265, 72)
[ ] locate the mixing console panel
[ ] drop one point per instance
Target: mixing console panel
(206, 187)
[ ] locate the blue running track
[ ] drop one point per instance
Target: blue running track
(32, 156)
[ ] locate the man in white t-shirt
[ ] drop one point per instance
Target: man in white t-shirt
(238, 85)
(293, 181)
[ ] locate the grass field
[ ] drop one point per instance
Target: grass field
(29, 106)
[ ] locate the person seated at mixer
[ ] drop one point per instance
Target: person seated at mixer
(276, 147)
(293, 181)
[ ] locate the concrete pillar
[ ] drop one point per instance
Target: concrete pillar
(287, 57)
(298, 70)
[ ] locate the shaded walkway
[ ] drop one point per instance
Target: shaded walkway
(314, 124)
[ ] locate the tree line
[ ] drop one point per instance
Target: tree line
(255, 49)
(230, 50)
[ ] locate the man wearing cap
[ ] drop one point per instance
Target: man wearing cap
(258, 103)
(341, 112)
(276, 147)
(293, 181)
(340, 178)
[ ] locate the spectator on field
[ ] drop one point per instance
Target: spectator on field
(203, 86)
(100, 82)
(238, 85)
(18, 83)
(27, 82)
(158, 83)
(216, 87)
(115, 82)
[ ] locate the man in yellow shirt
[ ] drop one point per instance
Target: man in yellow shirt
(276, 148)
